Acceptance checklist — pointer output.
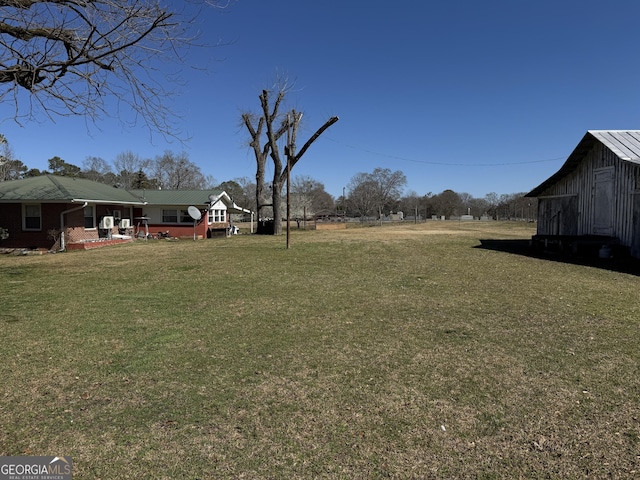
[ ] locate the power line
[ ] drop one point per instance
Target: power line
(429, 162)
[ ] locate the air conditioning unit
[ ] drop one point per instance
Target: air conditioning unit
(106, 223)
(125, 223)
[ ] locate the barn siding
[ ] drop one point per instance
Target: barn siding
(628, 188)
(635, 235)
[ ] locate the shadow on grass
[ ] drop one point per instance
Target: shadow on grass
(618, 263)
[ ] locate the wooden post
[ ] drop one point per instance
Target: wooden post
(288, 153)
(288, 197)
(292, 129)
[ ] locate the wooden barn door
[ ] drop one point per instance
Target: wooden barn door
(558, 215)
(603, 201)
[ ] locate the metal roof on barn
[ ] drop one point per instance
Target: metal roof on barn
(55, 189)
(624, 143)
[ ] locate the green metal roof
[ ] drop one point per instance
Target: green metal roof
(197, 198)
(53, 188)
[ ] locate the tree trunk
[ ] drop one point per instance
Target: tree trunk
(259, 186)
(260, 154)
(277, 207)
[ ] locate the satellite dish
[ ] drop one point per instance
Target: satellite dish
(194, 212)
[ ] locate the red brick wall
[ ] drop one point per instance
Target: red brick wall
(181, 230)
(11, 218)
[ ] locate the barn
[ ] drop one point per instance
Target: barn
(593, 201)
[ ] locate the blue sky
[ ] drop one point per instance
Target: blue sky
(472, 96)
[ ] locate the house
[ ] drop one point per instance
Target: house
(594, 199)
(168, 210)
(34, 211)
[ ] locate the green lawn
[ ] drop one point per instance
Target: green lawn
(380, 352)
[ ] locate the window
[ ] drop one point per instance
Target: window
(89, 217)
(169, 216)
(32, 217)
(176, 216)
(217, 216)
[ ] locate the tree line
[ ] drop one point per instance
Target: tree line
(380, 193)
(374, 194)
(450, 204)
(170, 171)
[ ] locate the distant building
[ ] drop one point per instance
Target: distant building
(58, 213)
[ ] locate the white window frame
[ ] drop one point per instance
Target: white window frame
(217, 215)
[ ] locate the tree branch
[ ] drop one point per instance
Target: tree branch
(73, 54)
(308, 143)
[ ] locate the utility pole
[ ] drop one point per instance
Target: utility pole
(290, 151)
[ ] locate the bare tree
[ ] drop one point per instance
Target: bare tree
(362, 194)
(98, 170)
(177, 172)
(128, 166)
(5, 158)
(10, 168)
(515, 206)
(447, 203)
(267, 124)
(479, 207)
(465, 202)
(70, 55)
(410, 205)
(256, 126)
(376, 191)
(308, 196)
(493, 200)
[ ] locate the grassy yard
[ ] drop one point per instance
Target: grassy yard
(382, 352)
